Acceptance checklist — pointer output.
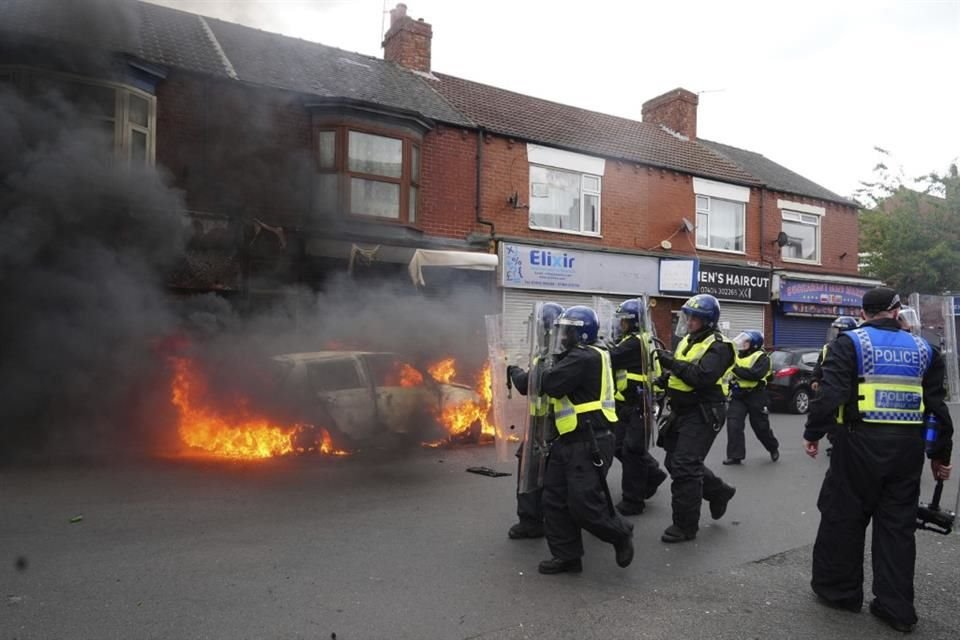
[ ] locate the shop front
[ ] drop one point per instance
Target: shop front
(806, 304)
(537, 273)
(743, 292)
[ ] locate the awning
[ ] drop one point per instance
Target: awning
(453, 259)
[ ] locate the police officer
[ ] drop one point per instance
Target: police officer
(748, 396)
(838, 326)
(633, 358)
(529, 506)
(575, 492)
(884, 381)
(697, 406)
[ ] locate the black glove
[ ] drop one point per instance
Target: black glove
(666, 358)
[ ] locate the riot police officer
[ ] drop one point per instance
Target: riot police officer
(748, 396)
(838, 326)
(575, 492)
(635, 365)
(697, 404)
(882, 382)
(529, 507)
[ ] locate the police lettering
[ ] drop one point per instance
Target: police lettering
(903, 400)
(894, 355)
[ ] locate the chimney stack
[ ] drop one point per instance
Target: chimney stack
(408, 41)
(676, 110)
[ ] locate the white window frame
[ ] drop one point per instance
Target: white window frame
(795, 212)
(706, 212)
(122, 126)
(569, 162)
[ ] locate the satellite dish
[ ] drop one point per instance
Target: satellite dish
(782, 239)
(666, 245)
(688, 226)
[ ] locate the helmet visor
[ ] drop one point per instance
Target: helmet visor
(832, 333)
(743, 341)
(683, 324)
(567, 334)
(909, 320)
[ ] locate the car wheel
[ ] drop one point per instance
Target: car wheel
(800, 402)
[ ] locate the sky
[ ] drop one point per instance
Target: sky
(814, 85)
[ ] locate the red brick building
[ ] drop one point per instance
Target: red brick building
(299, 161)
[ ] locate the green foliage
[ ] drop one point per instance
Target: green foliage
(910, 238)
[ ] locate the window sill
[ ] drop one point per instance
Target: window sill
(585, 234)
(810, 263)
(737, 253)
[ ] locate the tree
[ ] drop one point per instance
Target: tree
(910, 237)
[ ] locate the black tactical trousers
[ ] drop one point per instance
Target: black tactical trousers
(574, 498)
(529, 505)
(687, 444)
(754, 404)
(874, 474)
(641, 471)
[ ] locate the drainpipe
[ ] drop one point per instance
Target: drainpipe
(480, 220)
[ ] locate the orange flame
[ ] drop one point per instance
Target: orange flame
(410, 377)
(458, 419)
(444, 371)
(242, 435)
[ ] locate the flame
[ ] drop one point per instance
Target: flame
(410, 377)
(443, 371)
(241, 434)
(459, 418)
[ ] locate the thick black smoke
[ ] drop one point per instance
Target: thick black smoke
(83, 244)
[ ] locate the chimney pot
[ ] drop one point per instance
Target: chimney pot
(407, 42)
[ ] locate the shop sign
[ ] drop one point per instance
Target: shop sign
(728, 282)
(822, 293)
(821, 310)
(539, 267)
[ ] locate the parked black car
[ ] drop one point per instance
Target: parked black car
(792, 373)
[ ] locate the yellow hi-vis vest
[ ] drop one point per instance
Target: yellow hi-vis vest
(748, 362)
(890, 367)
(693, 356)
(623, 376)
(566, 412)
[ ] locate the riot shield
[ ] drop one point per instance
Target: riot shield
(650, 371)
(502, 408)
(533, 457)
(607, 317)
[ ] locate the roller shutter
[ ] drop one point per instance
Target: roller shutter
(735, 318)
(798, 331)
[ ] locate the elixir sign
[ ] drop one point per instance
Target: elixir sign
(536, 267)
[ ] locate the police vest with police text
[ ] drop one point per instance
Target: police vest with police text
(747, 362)
(566, 412)
(693, 355)
(890, 370)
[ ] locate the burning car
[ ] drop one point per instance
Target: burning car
(358, 396)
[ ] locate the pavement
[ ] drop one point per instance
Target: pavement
(407, 545)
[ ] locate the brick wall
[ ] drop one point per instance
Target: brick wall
(448, 198)
(234, 149)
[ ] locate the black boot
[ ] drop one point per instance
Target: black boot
(630, 508)
(676, 534)
(523, 530)
(653, 485)
(730, 461)
(624, 551)
(878, 611)
(718, 506)
(556, 565)
(775, 455)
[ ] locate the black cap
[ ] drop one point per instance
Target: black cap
(880, 299)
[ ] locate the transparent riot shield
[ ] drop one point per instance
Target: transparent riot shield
(949, 351)
(533, 457)
(500, 397)
(607, 318)
(650, 371)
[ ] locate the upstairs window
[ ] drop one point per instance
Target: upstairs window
(801, 224)
(721, 215)
(565, 190)
(367, 174)
(127, 116)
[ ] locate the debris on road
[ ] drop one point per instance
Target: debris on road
(76, 519)
(487, 471)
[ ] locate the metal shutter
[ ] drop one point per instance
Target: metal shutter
(735, 318)
(798, 331)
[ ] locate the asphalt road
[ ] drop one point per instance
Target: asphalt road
(410, 546)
